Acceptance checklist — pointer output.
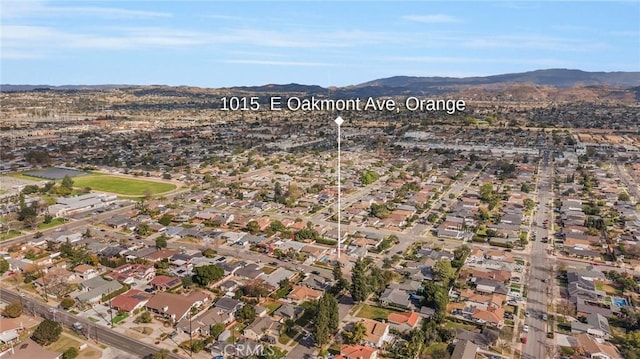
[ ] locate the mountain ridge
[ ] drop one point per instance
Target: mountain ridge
(398, 85)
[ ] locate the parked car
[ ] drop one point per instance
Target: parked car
(525, 328)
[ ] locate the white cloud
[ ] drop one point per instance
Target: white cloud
(432, 19)
(280, 63)
(39, 8)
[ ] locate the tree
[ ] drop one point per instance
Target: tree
(359, 282)
(67, 303)
(161, 242)
(340, 282)
(253, 227)
(278, 195)
(4, 265)
(444, 271)
(624, 197)
(209, 252)
(216, 330)
(70, 353)
(204, 275)
(486, 192)
(144, 318)
(143, 229)
(460, 255)
(356, 334)
(165, 220)
(368, 177)
(67, 183)
(246, 314)
(47, 332)
(186, 281)
(13, 310)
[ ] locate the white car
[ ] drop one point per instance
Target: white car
(525, 328)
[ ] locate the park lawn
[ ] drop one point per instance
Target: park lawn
(271, 306)
(449, 324)
(54, 222)
(284, 338)
(23, 176)
(10, 234)
(122, 185)
(268, 270)
(118, 318)
(371, 312)
(63, 343)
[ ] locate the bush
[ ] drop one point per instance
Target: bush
(70, 353)
(67, 303)
(144, 318)
(13, 310)
(47, 332)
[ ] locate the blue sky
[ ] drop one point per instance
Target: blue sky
(220, 43)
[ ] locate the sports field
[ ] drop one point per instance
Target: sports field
(122, 185)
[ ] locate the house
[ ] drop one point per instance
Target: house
(203, 322)
(278, 275)
(301, 293)
(288, 311)
(395, 297)
(173, 306)
(357, 352)
(596, 325)
(492, 316)
(596, 348)
(84, 271)
(92, 290)
(316, 282)
(377, 333)
(164, 282)
(130, 300)
(403, 321)
(261, 326)
(128, 273)
(464, 349)
(228, 304)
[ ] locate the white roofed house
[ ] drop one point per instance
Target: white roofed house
(69, 205)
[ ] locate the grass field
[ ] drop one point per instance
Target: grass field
(122, 185)
(371, 312)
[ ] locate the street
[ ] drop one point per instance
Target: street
(540, 269)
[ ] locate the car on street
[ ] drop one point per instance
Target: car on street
(525, 328)
(544, 317)
(526, 314)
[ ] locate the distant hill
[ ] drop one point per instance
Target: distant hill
(532, 84)
(552, 77)
(16, 88)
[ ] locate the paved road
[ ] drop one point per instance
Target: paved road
(97, 332)
(539, 269)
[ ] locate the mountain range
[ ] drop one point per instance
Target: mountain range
(407, 85)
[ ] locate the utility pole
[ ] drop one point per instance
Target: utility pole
(190, 336)
(339, 122)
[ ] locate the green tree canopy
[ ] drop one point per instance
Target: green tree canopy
(13, 310)
(4, 265)
(161, 242)
(47, 332)
(204, 275)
